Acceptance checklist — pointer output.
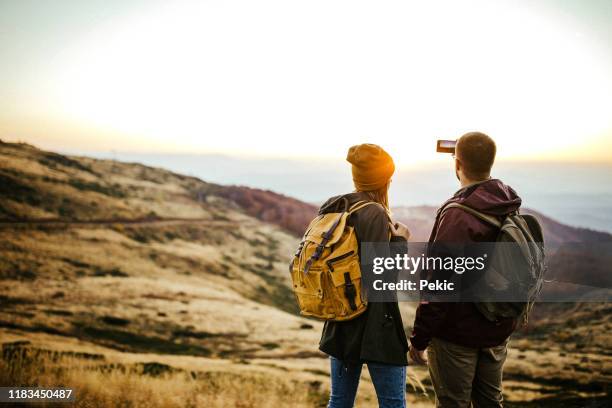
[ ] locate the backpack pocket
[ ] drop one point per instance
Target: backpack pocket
(309, 290)
(345, 276)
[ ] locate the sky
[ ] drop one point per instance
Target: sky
(294, 79)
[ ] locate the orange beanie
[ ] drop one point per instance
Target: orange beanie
(372, 166)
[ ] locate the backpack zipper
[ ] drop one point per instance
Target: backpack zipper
(337, 259)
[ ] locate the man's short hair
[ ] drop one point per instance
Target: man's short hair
(476, 152)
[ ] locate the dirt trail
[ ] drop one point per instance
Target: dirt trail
(58, 223)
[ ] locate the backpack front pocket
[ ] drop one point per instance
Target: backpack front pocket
(346, 279)
(311, 294)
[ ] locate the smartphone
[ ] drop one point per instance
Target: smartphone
(446, 146)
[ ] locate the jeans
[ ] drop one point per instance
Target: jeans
(389, 382)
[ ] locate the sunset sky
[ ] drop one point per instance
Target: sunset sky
(308, 78)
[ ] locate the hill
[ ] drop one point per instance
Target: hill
(100, 255)
(118, 273)
(420, 220)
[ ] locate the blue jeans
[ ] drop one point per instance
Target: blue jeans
(389, 382)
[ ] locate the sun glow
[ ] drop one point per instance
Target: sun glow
(310, 78)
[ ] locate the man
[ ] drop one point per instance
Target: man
(466, 352)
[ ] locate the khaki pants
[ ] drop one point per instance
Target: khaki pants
(461, 375)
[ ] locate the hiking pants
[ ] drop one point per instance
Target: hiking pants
(464, 375)
(389, 382)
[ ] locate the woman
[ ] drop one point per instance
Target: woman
(377, 336)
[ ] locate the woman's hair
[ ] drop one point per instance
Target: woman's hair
(380, 196)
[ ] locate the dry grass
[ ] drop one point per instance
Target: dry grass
(104, 385)
(101, 375)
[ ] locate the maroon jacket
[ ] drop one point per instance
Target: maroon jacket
(462, 323)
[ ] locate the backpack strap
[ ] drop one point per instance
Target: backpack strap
(359, 205)
(485, 217)
(329, 233)
(319, 250)
(362, 204)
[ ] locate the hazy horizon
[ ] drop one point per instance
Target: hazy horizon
(582, 195)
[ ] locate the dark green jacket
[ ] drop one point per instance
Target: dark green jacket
(378, 334)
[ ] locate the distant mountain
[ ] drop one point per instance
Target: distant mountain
(289, 213)
(420, 221)
(558, 233)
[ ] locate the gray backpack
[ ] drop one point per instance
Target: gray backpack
(515, 272)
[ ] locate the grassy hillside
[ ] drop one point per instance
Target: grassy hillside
(135, 283)
(140, 260)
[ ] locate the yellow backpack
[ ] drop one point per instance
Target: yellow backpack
(325, 269)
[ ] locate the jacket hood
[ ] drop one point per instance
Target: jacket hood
(490, 197)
